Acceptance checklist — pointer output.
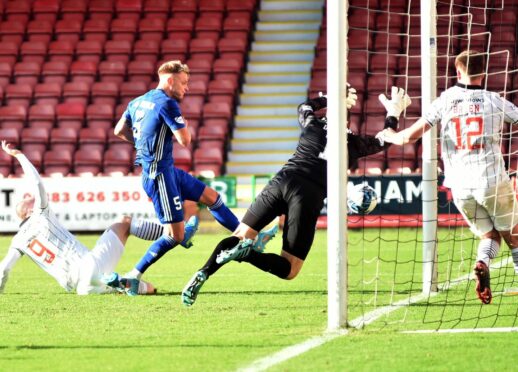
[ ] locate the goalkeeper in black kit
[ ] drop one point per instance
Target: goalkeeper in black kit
(298, 191)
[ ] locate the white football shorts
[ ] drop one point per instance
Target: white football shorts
(488, 208)
(99, 261)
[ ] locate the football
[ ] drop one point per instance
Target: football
(361, 199)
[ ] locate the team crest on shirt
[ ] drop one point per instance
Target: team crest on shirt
(179, 120)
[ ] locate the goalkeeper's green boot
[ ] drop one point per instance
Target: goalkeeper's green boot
(264, 237)
(190, 291)
(240, 251)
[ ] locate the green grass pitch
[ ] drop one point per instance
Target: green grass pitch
(241, 315)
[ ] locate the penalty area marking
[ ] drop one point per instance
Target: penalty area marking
(300, 348)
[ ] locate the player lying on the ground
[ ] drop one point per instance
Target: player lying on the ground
(298, 190)
(471, 121)
(53, 248)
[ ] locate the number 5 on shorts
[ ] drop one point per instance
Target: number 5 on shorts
(177, 203)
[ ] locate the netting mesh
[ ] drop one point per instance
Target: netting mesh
(385, 261)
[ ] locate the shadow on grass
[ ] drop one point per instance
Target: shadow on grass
(278, 293)
(133, 346)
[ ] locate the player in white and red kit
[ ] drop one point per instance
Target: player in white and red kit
(53, 248)
(471, 120)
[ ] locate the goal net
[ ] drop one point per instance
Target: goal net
(387, 269)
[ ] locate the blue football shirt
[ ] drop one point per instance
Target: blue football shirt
(153, 117)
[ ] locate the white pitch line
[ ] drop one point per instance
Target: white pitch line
(291, 351)
(300, 348)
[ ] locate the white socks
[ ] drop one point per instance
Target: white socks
(487, 250)
(145, 229)
(514, 253)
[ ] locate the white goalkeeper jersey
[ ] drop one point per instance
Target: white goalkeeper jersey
(44, 240)
(471, 121)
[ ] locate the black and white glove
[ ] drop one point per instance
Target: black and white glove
(397, 104)
(351, 98)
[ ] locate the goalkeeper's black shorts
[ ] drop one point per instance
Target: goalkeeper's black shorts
(300, 199)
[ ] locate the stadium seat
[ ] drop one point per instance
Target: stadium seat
(361, 18)
(47, 10)
(179, 7)
(213, 7)
(42, 116)
(47, 93)
(191, 111)
(12, 31)
(237, 23)
(182, 158)
(200, 68)
(128, 9)
(70, 115)
(89, 50)
(96, 29)
(92, 139)
(197, 89)
(156, 9)
(217, 134)
(240, 6)
(27, 73)
(18, 94)
(146, 50)
(141, 71)
(124, 29)
(116, 144)
(359, 39)
(17, 11)
(220, 88)
(202, 48)
(78, 92)
(117, 162)
(231, 46)
(208, 27)
(6, 163)
(54, 72)
(68, 30)
(57, 162)
(114, 71)
(131, 90)
(372, 165)
(73, 10)
(13, 117)
(34, 156)
(88, 162)
(105, 92)
(226, 67)
(174, 49)
(63, 139)
(40, 31)
(100, 115)
(152, 28)
(101, 9)
(180, 27)
(118, 50)
(217, 110)
(83, 71)
(11, 135)
(35, 138)
(9, 52)
(5, 74)
(61, 51)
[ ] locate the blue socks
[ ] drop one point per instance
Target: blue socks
(155, 251)
(224, 215)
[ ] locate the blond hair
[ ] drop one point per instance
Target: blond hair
(173, 67)
(471, 61)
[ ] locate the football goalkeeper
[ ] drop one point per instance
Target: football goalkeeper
(298, 191)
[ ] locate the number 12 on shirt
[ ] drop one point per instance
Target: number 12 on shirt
(468, 131)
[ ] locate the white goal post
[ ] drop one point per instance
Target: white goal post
(337, 26)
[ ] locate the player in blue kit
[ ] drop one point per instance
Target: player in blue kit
(149, 122)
